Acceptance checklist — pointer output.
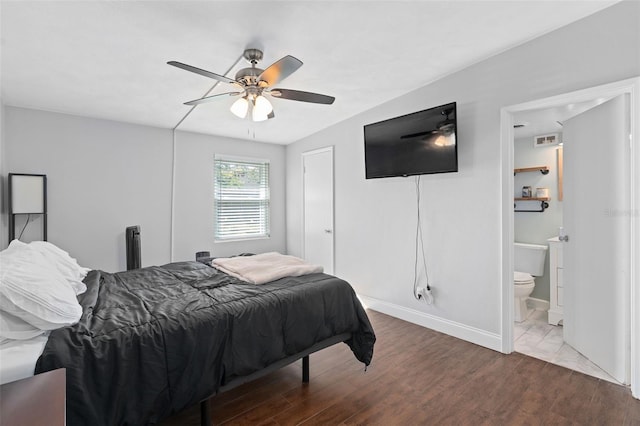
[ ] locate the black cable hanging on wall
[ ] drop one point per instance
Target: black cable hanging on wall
(420, 292)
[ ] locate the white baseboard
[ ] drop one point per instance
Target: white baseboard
(538, 304)
(452, 328)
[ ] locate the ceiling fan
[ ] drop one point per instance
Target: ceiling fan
(445, 131)
(444, 127)
(252, 83)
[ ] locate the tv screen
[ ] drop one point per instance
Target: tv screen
(423, 142)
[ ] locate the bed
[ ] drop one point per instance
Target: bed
(18, 358)
(153, 341)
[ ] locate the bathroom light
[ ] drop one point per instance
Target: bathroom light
(261, 108)
(240, 107)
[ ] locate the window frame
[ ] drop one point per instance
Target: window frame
(262, 203)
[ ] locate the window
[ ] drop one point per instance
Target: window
(241, 196)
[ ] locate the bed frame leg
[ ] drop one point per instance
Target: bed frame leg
(205, 413)
(305, 369)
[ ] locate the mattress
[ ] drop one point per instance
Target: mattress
(18, 358)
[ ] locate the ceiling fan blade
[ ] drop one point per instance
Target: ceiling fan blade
(298, 95)
(280, 70)
(211, 98)
(415, 135)
(205, 73)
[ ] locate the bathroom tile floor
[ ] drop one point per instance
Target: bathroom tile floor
(537, 338)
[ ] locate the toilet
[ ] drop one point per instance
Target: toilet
(528, 263)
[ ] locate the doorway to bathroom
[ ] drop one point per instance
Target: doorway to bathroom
(592, 195)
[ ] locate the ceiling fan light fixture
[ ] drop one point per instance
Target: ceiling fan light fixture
(261, 108)
(263, 105)
(253, 82)
(256, 116)
(240, 107)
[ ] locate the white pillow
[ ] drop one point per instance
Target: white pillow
(64, 263)
(12, 327)
(14, 245)
(32, 289)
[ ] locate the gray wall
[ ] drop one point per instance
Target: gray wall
(3, 176)
(536, 228)
(193, 223)
(375, 219)
(104, 176)
(101, 177)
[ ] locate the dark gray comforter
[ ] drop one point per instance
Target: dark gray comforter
(153, 341)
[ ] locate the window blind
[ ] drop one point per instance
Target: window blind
(241, 198)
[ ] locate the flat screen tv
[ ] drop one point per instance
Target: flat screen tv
(423, 142)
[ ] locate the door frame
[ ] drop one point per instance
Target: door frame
(333, 201)
(630, 87)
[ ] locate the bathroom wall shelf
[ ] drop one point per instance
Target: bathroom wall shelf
(542, 169)
(532, 199)
(543, 200)
(543, 204)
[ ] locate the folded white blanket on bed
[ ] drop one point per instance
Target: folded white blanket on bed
(265, 267)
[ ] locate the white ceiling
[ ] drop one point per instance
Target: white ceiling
(107, 59)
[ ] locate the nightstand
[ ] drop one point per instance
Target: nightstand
(35, 401)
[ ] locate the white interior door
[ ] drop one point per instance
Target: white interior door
(597, 221)
(318, 207)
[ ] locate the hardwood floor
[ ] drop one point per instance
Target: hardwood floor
(422, 377)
